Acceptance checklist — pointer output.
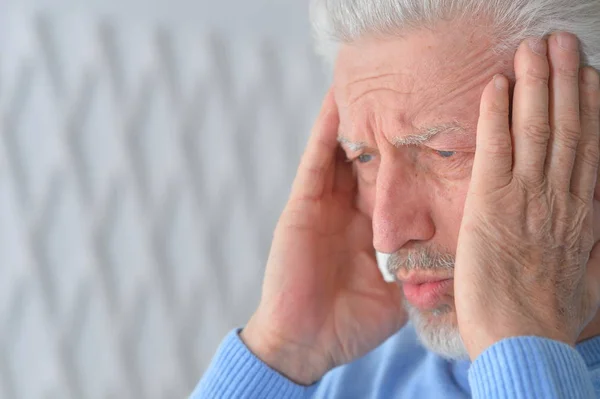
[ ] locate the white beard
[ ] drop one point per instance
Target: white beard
(437, 332)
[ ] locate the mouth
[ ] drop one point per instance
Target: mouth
(425, 292)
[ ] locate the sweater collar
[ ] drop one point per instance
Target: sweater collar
(590, 351)
(460, 371)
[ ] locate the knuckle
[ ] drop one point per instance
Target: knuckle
(591, 79)
(590, 110)
(497, 145)
(535, 183)
(570, 72)
(314, 173)
(568, 136)
(497, 109)
(538, 75)
(569, 113)
(590, 104)
(589, 154)
(537, 132)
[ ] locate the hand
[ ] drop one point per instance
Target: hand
(324, 301)
(523, 263)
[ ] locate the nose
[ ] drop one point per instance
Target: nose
(401, 211)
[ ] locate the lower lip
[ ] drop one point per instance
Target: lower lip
(427, 295)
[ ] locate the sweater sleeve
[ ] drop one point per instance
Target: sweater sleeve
(237, 373)
(530, 367)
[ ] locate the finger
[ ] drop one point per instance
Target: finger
(531, 127)
(493, 156)
(595, 220)
(593, 263)
(585, 168)
(565, 125)
(593, 275)
(345, 179)
(316, 169)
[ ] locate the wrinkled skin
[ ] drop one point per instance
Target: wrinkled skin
(324, 302)
(523, 259)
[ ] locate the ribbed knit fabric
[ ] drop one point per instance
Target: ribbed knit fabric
(236, 373)
(521, 367)
(590, 352)
(530, 367)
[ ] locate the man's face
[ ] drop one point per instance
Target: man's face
(408, 115)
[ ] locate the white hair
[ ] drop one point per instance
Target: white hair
(510, 21)
(440, 337)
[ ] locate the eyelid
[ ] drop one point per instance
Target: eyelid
(448, 147)
(455, 143)
(446, 154)
(364, 151)
(361, 150)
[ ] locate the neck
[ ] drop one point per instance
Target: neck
(591, 330)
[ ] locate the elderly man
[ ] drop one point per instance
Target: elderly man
(460, 137)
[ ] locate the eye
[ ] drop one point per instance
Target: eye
(446, 154)
(364, 158)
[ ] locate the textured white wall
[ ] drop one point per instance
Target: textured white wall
(237, 18)
(146, 150)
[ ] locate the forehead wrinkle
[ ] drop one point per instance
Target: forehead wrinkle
(425, 134)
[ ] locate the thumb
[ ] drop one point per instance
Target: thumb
(316, 166)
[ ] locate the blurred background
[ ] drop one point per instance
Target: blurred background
(147, 148)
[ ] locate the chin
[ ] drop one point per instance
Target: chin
(437, 330)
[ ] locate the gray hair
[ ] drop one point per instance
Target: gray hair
(510, 21)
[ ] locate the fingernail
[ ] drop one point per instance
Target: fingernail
(500, 82)
(538, 46)
(567, 41)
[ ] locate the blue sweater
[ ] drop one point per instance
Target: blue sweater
(522, 367)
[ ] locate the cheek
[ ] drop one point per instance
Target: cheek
(447, 211)
(365, 200)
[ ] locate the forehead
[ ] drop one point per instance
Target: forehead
(424, 77)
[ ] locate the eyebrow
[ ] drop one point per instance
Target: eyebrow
(423, 135)
(352, 146)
